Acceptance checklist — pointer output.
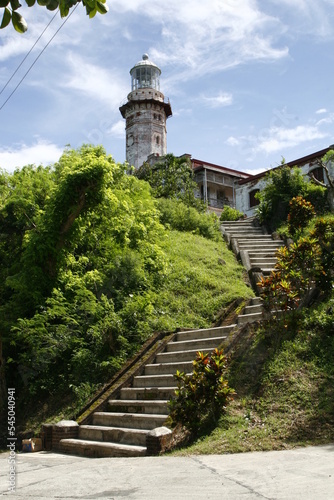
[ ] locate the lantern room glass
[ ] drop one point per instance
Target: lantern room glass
(145, 77)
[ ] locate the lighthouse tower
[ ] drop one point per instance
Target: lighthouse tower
(146, 113)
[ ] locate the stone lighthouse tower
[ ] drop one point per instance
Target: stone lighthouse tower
(146, 113)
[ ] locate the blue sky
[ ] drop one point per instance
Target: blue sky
(249, 81)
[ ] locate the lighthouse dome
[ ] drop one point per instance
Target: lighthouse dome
(145, 74)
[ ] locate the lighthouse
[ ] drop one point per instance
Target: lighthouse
(146, 113)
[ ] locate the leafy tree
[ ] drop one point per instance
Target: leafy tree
(325, 162)
(171, 177)
(283, 184)
(11, 7)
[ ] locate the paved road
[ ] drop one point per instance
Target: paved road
(301, 474)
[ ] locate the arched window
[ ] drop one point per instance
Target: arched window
(157, 140)
(318, 173)
(253, 202)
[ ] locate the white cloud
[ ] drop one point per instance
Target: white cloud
(222, 99)
(232, 141)
(117, 130)
(321, 111)
(18, 155)
(94, 81)
(199, 38)
(325, 121)
(280, 138)
(309, 17)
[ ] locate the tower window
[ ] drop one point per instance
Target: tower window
(157, 140)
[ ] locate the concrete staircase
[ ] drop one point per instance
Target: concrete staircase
(123, 428)
(253, 245)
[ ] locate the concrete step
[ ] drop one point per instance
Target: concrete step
(257, 308)
(253, 247)
(131, 420)
(168, 368)
(201, 344)
(148, 393)
(100, 449)
(166, 380)
(260, 242)
(249, 318)
(120, 435)
(219, 331)
(256, 300)
(263, 254)
(244, 231)
(138, 406)
(264, 261)
(174, 357)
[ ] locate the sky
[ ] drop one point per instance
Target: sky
(249, 81)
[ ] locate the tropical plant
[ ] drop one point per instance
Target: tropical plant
(301, 212)
(230, 214)
(203, 395)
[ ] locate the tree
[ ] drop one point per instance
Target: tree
(329, 185)
(283, 184)
(171, 177)
(11, 14)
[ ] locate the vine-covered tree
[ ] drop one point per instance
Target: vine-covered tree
(171, 177)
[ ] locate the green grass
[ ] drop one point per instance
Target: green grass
(284, 378)
(203, 278)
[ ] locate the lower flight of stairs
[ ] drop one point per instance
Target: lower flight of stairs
(123, 428)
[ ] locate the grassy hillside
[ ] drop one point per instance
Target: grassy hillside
(202, 279)
(283, 370)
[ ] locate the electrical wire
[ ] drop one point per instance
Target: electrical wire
(19, 66)
(39, 55)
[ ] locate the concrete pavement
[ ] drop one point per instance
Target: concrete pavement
(300, 474)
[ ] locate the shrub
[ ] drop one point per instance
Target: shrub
(230, 214)
(201, 396)
(177, 215)
(301, 212)
(282, 185)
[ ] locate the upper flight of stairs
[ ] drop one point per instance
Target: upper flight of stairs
(253, 245)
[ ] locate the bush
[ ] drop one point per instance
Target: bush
(301, 212)
(230, 214)
(202, 396)
(177, 215)
(282, 185)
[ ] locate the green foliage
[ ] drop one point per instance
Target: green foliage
(177, 215)
(203, 395)
(89, 272)
(301, 212)
(230, 214)
(304, 265)
(298, 267)
(282, 184)
(323, 232)
(171, 178)
(10, 8)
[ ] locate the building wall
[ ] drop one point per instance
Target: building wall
(243, 191)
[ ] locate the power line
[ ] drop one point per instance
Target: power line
(38, 39)
(39, 55)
